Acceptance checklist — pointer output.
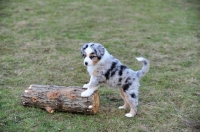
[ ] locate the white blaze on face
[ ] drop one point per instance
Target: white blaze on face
(87, 59)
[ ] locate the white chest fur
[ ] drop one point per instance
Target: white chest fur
(91, 69)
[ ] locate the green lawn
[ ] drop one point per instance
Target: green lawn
(40, 43)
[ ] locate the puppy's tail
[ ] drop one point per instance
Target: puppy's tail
(145, 67)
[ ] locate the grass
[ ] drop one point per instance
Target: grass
(40, 44)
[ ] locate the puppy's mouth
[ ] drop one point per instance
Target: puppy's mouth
(87, 64)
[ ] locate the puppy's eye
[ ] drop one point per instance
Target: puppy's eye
(92, 57)
(84, 55)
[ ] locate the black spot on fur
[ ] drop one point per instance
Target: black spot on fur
(133, 95)
(99, 57)
(85, 47)
(113, 65)
(107, 74)
(126, 86)
(127, 79)
(113, 69)
(133, 79)
(145, 63)
(120, 79)
(122, 67)
(92, 53)
(119, 84)
(113, 72)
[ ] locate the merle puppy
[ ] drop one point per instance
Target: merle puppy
(104, 68)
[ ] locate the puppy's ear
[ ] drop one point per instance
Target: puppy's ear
(83, 49)
(99, 50)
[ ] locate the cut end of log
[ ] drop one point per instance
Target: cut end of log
(96, 99)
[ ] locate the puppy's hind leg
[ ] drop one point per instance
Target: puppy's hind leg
(123, 97)
(132, 100)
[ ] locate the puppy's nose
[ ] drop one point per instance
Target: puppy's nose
(86, 63)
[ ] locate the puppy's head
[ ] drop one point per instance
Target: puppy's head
(92, 53)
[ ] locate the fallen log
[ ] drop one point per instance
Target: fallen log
(60, 98)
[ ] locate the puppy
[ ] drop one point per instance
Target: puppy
(104, 68)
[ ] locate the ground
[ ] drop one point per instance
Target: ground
(40, 43)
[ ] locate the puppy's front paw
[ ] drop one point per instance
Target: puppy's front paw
(85, 85)
(129, 115)
(86, 93)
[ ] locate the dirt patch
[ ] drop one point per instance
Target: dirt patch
(195, 125)
(21, 23)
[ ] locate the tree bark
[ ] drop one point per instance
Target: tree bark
(60, 98)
